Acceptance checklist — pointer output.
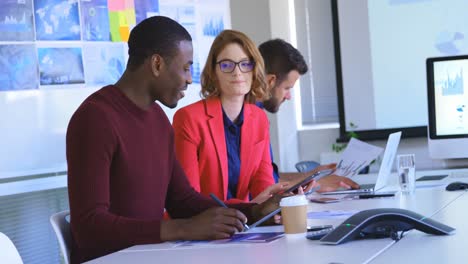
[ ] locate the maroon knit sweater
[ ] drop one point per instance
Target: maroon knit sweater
(122, 173)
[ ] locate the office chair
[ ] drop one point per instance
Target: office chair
(62, 230)
(307, 165)
(8, 252)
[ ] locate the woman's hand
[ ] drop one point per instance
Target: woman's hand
(270, 191)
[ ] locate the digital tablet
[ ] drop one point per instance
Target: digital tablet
(266, 217)
(316, 176)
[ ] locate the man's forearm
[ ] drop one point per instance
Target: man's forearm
(173, 229)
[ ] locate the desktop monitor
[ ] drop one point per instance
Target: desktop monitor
(447, 78)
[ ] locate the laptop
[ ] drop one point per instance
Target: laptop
(384, 171)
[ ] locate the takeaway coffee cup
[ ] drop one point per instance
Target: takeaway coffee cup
(294, 214)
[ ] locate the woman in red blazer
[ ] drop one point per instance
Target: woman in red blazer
(232, 80)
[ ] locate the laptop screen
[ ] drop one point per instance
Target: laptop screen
(387, 160)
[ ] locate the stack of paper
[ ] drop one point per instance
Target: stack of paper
(355, 157)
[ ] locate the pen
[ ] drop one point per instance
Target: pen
(368, 196)
(217, 200)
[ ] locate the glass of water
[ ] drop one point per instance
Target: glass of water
(406, 173)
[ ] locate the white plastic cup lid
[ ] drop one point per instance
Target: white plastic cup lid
(295, 200)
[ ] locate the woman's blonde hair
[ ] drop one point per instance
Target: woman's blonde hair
(209, 85)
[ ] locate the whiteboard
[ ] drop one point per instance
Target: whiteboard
(35, 106)
(384, 46)
(33, 125)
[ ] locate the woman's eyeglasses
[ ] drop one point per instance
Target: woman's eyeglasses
(228, 66)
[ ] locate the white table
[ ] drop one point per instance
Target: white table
(418, 247)
(433, 202)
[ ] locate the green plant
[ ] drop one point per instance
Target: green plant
(338, 147)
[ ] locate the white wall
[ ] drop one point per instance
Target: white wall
(247, 16)
(252, 18)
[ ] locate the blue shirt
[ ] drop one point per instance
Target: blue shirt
(275, 168)
(232, 134)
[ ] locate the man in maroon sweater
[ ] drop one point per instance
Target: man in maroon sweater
(122, 170)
